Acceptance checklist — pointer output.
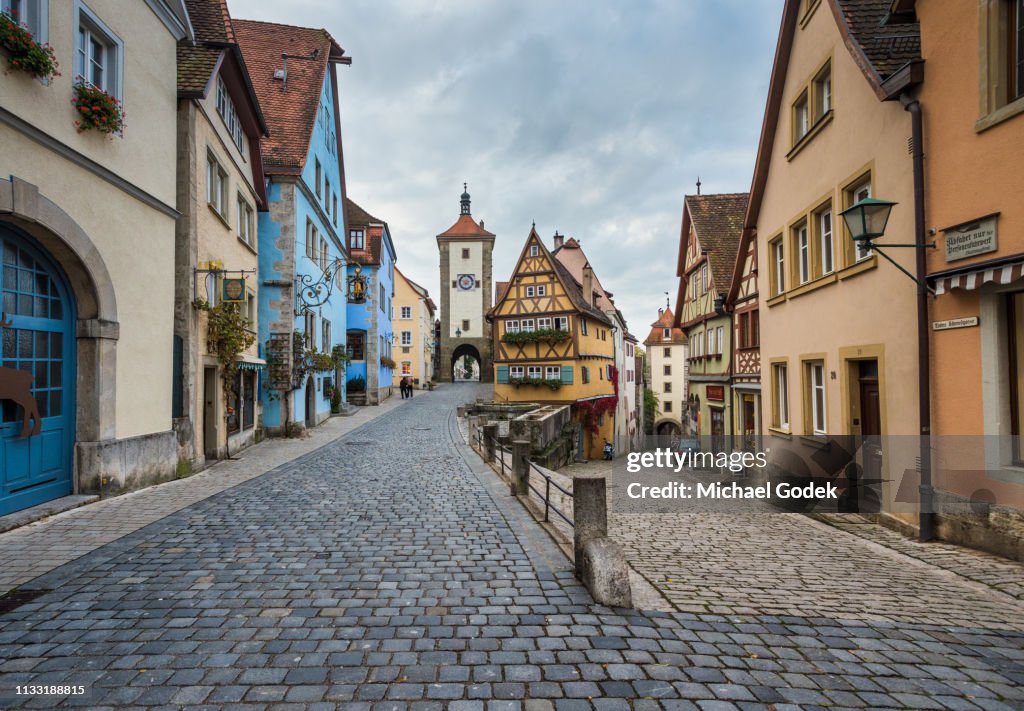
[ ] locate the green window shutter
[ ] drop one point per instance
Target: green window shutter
(567, 374)
(503, 374)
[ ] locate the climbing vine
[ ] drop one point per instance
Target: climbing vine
(228, 336)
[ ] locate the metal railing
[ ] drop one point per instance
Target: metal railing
(507, 471)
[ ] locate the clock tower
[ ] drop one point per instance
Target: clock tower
(466, 293)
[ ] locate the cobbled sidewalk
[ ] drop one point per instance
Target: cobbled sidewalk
(389, 570)
(30, 551)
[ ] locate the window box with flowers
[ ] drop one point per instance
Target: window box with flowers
(550, 335)
(97, 110)
(24, 54)
(538, 382)
(387, 362)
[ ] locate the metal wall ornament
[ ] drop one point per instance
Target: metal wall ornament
(311, 293)
(358, 286)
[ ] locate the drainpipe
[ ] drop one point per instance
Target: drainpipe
(927, 492)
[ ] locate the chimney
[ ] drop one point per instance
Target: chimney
(588, 284)
(559, 240)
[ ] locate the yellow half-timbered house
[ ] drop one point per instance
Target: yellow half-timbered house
(552, 345)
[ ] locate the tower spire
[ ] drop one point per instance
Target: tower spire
(465, 199)
(698, 185)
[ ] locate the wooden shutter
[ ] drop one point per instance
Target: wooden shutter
(503, 374)
(567, 374)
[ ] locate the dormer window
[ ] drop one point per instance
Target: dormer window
(226, 110)
(355, 239)
(666, 334)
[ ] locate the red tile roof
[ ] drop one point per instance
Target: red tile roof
(657, 335)
(500, 288)
(718, 222)
(291, 114)
(465, 226)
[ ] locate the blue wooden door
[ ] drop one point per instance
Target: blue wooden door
(37, 376)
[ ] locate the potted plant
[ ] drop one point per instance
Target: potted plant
(24, 54)
(97, 110)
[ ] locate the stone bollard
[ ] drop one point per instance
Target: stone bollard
(490, 439)
(590, 513)
(600, 563)
(519, 485)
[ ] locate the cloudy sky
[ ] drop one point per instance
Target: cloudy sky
(593, 118)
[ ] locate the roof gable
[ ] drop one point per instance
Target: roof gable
(717, 221)
(657, 334)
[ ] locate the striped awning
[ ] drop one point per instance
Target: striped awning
(248, 362)
(1001, 274)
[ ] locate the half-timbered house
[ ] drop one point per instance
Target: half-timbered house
(553, 345)
(746, 343)
(707, 254)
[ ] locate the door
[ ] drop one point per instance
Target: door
(37, 377)
(869, 489)
(310, 403)
(749, 423)
(210, 412)
(717, 429)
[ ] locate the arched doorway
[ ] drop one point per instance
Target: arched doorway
(37, 375)
(310, 403)
(669, 428)
(465, 366)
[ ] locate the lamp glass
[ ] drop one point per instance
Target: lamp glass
(867, 219)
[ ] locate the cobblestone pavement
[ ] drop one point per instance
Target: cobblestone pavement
(37, 548)
(390, 570)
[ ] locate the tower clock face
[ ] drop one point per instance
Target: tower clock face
(466, 282)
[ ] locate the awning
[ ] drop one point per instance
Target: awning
(248, 362)
(974, 276)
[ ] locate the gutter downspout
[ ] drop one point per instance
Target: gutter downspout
(927, 492)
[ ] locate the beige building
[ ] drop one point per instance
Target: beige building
(87, 221)
(220, 190)
(413, 326)
(838, 354)
(669, 358)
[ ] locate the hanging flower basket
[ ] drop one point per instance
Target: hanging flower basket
(24, 54)
(97, 110)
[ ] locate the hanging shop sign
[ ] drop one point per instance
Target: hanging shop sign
(232, 290)
(716, 392)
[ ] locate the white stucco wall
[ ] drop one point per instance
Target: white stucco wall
(466, 305)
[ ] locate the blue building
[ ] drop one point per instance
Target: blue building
(302, 252)
(370, 339)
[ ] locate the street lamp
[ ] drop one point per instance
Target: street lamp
(866, 222)
(458, 333)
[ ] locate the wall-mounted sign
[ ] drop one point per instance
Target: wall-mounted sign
(971, 238)
(955, 323)
(232, 290)
(716, 392)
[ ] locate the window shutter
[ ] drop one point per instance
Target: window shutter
(503, 374)
(567, 374)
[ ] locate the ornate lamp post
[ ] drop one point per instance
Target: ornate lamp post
(866, 222)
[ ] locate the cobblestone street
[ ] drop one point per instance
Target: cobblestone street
(391, 570)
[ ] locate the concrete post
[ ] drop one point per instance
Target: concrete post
(590, 515)
(490, 436)
(519, 486)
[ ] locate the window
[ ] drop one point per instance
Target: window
(357, 345)
(530, 291)
(778, 266)
(553, 372)
(668, 352)
(561, 323)
(860, 191)
(583, 326)
(816, 396)
(227, 113)
(584, 374)
(98, 55)
(244, 226)
(534, 371)
(823, 92)
(383, 298)
(512, 327)
(528, 325)
(216, 186)
(780, 396)
(334, 207)
(406, 367)
(1015, 362)
(668, 387)
(355, 239)
(465, 325)
(666, 406)
(542, 290)
(516, 371)
(251, 310)
(319, 178)
(310, 330)
(720, 336)
(666, 334)
(324, 254)
(544, 323)
(667, 369)
(801, 118)
(325, 335)
(825, 240)
(406, 338)
(755, 329)
(802, 245)
(1015, 49)
(406, 312)
(312, 239)
(33, 14)
(1002, 59)
(710, 335)
(742, 329)
(465, 253)
(704, 278)
(534, 250)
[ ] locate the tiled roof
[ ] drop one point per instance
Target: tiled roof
(500, 288)
(718, 222)
(573, 258)
(291, 114)
(466, 227)
(210, 20)
(657, 334)
(575, 291)
(355, 215)
(195, 67)
(886, 47)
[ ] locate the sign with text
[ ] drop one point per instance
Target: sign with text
(716, 392)
(971, 238)
(955, 323)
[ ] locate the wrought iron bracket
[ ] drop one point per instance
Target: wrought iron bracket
(312, 293)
